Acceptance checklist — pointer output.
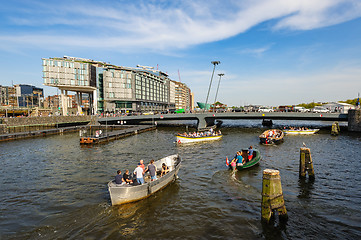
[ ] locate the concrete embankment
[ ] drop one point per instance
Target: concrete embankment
(19, 128)
(26, 124)
(25, 127)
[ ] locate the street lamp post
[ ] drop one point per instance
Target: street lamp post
(210, 84)
(219, 81)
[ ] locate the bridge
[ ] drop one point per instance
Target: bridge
(209, 119)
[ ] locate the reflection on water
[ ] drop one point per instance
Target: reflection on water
(52, 188)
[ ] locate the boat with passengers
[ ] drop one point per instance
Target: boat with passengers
(126, 193)
(300, 130)
(210, 135)
(248, 163)
(271, 136)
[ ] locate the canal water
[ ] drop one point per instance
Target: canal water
(52, 188)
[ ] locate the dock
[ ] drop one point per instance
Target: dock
(104, 136)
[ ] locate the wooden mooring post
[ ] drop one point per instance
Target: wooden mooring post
(272, 196)
(306, 164)
(335, 129)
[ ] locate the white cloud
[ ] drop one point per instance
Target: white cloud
(167, 25)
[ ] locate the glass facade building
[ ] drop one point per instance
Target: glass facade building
(111, 88)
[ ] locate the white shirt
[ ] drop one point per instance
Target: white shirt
(139, 172)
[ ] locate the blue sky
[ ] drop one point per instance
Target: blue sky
(272, 52)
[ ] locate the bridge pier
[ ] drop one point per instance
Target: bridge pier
(204, 121)
(354, 120)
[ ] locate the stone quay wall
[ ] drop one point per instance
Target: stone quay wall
(354, 120)
(8, 125)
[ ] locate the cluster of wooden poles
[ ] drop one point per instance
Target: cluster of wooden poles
(272, 196)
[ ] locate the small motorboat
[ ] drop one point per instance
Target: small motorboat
(271, 136)
(249, 163)
(201, 138)
(297, 131)
(126, 193)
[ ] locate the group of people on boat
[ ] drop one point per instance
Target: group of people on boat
(209, 133)
(273, 134)
(139, 173)
(239, 160)
(296, 128)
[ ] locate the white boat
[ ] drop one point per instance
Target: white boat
(125, 193)
(183, 139)
(300, 131)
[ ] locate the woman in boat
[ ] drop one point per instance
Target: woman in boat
(165, 170)
(239, 159)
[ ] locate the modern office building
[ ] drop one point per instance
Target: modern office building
(29, 96)
(78, 75)
(21, 96)
(110, 88)
(124, 89)
(8, 96)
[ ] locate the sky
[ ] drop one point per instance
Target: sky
(271, 52)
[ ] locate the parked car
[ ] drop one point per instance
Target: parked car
(319, 109)
(265, 109)
(301, 109)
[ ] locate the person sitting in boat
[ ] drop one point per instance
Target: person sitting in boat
(250, 153)
(119, 178)
(138, 171)
(126, 177)
(270, 134)
(152, 169)
(239, 159)
(165, 169)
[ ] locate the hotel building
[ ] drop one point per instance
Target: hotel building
(111, 88)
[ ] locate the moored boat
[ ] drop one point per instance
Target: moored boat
(125, 193)
(300, 131)
(249, 163)
(271, 136)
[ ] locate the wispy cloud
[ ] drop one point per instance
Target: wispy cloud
(162, 25)
(255, 51)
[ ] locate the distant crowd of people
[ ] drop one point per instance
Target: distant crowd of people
(209, 133)
(139, 173)
(296, 128)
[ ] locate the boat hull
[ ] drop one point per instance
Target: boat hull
(181, 139)
(120, 194)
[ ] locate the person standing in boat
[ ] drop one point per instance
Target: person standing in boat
(250, 153)
(119, 178)
(139, 174)
(142, 165)
(152, 170)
